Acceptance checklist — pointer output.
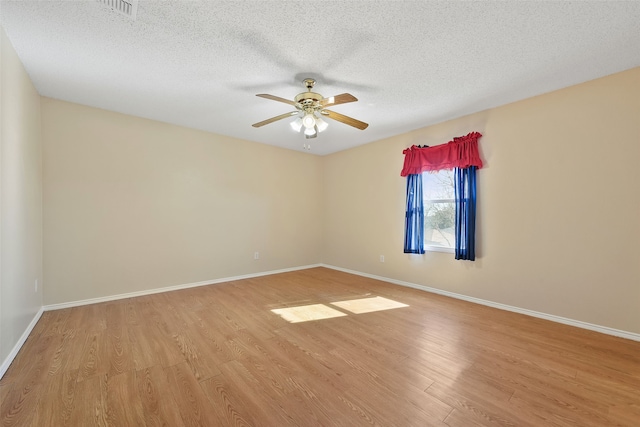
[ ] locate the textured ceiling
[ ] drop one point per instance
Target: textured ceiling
(411, 64)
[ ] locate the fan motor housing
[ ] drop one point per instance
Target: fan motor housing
(306, 98)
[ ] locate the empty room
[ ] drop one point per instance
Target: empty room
(339, 213)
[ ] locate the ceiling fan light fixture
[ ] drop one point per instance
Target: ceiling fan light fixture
(310, 132)
(321, 124)
(296, 124)
(309, 121)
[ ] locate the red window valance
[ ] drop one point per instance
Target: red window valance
(462, 152)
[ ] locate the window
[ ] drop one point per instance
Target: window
(448, 195)
(439, 211)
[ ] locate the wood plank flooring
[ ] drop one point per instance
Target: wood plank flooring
(217, 356)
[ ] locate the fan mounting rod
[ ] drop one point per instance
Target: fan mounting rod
(309, 83)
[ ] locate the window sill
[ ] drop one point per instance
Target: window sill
(439, 249)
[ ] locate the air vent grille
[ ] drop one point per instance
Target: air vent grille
(128, 8)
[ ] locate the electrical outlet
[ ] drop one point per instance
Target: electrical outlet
(381, 258)
(36, 285)
(256, 255)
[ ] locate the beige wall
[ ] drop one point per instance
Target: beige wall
(132, 205)
(559, 206)
(20, 200)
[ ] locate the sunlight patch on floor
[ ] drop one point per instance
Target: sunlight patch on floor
(368, 305)
(305, 313)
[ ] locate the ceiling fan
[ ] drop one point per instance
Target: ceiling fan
(310, 108)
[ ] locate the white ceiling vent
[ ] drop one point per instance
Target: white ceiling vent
(128, 8)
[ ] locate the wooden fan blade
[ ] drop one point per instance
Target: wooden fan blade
(345, 119)
(274, 119)
(277, 98)
(343, 98)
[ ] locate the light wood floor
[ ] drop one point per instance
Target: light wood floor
(217, 356)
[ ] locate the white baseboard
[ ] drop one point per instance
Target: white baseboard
(551, 317)
(16, 348)
(171, 288)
